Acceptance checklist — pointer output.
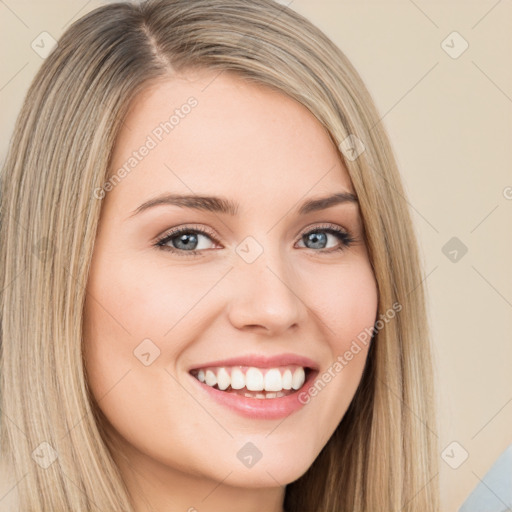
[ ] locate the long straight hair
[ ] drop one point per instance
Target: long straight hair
(383, 454)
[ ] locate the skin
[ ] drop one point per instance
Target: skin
(176, 449)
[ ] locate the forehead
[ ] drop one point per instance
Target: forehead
(211, 133)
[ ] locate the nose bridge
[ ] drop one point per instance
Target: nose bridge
(263, 292)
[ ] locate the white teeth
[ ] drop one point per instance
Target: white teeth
(254, 379)
(298, 378)
(237, 379)
(223, 379)
(210, 378)
(273, 380)
(287, 379)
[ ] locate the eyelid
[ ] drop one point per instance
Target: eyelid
(186, 227)
(321, 225)
(204, 230)
(350, 236)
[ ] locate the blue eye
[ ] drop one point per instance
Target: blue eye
(320, 237)
(186, 241)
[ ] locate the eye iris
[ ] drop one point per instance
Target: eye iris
(188, 239)
(316, 238)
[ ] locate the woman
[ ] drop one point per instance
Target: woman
(212, 296)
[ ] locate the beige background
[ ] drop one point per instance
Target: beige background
(450, 122)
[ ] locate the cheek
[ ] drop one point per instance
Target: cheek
(125, 310)
(345, 300)
(346, 307)
(148, 298)
(132, 309)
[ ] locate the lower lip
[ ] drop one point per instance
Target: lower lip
(259, 408)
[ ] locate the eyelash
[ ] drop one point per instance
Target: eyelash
(344, 236)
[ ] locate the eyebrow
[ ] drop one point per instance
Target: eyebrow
(226, 206)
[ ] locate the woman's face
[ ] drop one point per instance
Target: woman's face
(256, 289)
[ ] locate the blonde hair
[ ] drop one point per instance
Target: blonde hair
(383, 454)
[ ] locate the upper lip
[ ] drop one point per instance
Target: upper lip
(262, 361)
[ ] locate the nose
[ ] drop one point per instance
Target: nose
(264, 297)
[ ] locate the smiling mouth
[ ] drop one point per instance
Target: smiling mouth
(253, 382)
